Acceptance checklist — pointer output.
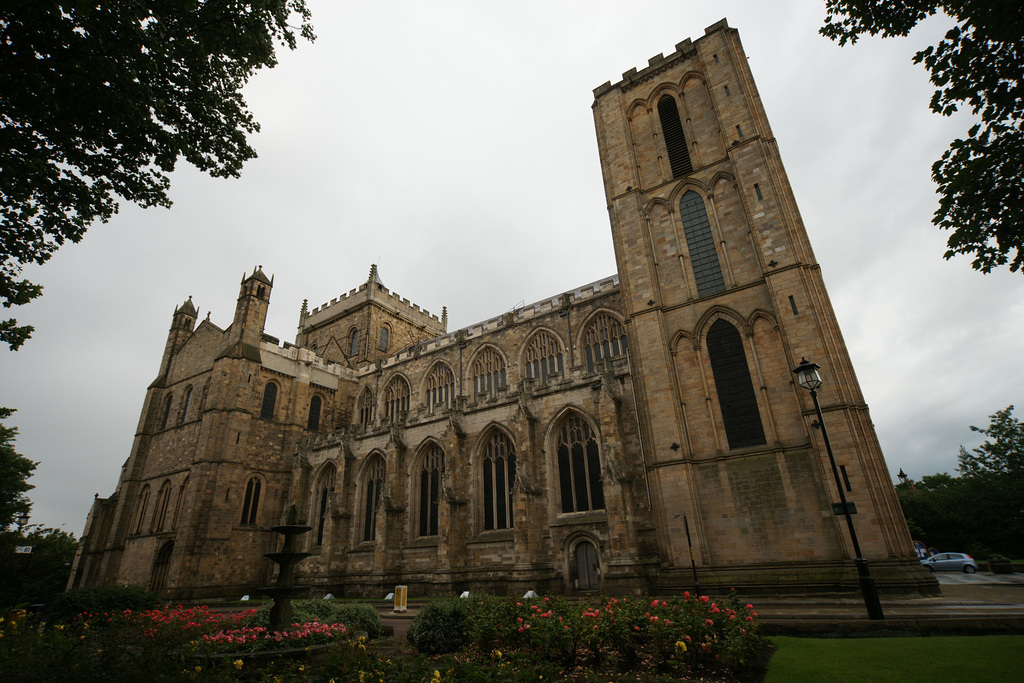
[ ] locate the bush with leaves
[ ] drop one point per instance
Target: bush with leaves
(442, 626)
(102, 599)
(355, 616)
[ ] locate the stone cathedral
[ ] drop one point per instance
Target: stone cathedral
(583, 443)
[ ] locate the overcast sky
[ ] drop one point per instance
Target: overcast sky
(452, 143)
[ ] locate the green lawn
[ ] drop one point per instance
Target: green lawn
(937, 659)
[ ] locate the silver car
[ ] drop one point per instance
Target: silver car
(951, 562)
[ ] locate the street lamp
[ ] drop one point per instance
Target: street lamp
(902, 476)
(807, 377)
(21, 520)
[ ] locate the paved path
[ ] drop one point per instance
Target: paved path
(982, 602)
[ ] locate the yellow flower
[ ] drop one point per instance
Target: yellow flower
(437, 675)
(681, 646)
(198, 668)
(238, 664)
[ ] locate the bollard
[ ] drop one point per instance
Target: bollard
(401, 598)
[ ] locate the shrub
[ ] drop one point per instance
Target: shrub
(355, 617)
(102, 599)
(442, 626)
(361, 617)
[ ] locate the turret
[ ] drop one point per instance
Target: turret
(246, 329)
(183, 322)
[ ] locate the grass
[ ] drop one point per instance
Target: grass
(936, 659)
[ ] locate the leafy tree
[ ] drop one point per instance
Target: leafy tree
(99, 100)
(15, 470)
(1003, 454)
(39, 575)
(979, 64)
(981, 511)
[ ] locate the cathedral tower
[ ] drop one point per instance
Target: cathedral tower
(723, 298)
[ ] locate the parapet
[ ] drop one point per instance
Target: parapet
(683, 49)
(364, 294)
(602, 287)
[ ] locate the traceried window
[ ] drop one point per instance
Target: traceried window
(353, 343)
(251, 503)
(167, 411)
(186, 406)
(323, 490)
(366, 408)
(579, 467)
(269, 400)
(499, 470)
(385, 335)
(675, 140)
(313, 422)
(707, 272)
(605, 338)
(430, 489)
(372, 489)
(544, 357)
(736, 396)
(396, 399)
(488, 373)
(141, 508)
(440, 387)
(162, 502)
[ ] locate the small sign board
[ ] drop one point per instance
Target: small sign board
(838, 509)
(401, 598)
(23, 549)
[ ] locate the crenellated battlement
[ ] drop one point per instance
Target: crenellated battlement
(656, 63)
(363, 294)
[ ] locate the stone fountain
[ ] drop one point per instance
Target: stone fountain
(285, 589)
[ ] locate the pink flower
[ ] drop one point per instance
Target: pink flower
(636, 628)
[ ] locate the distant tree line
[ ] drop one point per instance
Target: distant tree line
(981, 511)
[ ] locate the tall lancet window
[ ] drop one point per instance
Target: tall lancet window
(675, 140)
(707, 273)
(499, 475)
(736, 396)
(430, 489)
(372, 489)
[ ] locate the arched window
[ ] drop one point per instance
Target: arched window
(167, 411)
(160, 567)
(396, 399)
(675, 140)
(430, 489)
(499, 470)
(707, 272)
(353, 343)
(182, 490)
(488, 373)
(163, 499)
(186, 406)
(385, 334)
(141, 508)
(372, 489)
(366, 408)
(544, 357)
(269, 399)
(605, 338)
(324, 489)
(579, 467)
(251, 504)
(736, 396)
(440, 387)
(313, 422)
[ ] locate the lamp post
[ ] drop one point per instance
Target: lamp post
(808, 378)
(21, 520)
